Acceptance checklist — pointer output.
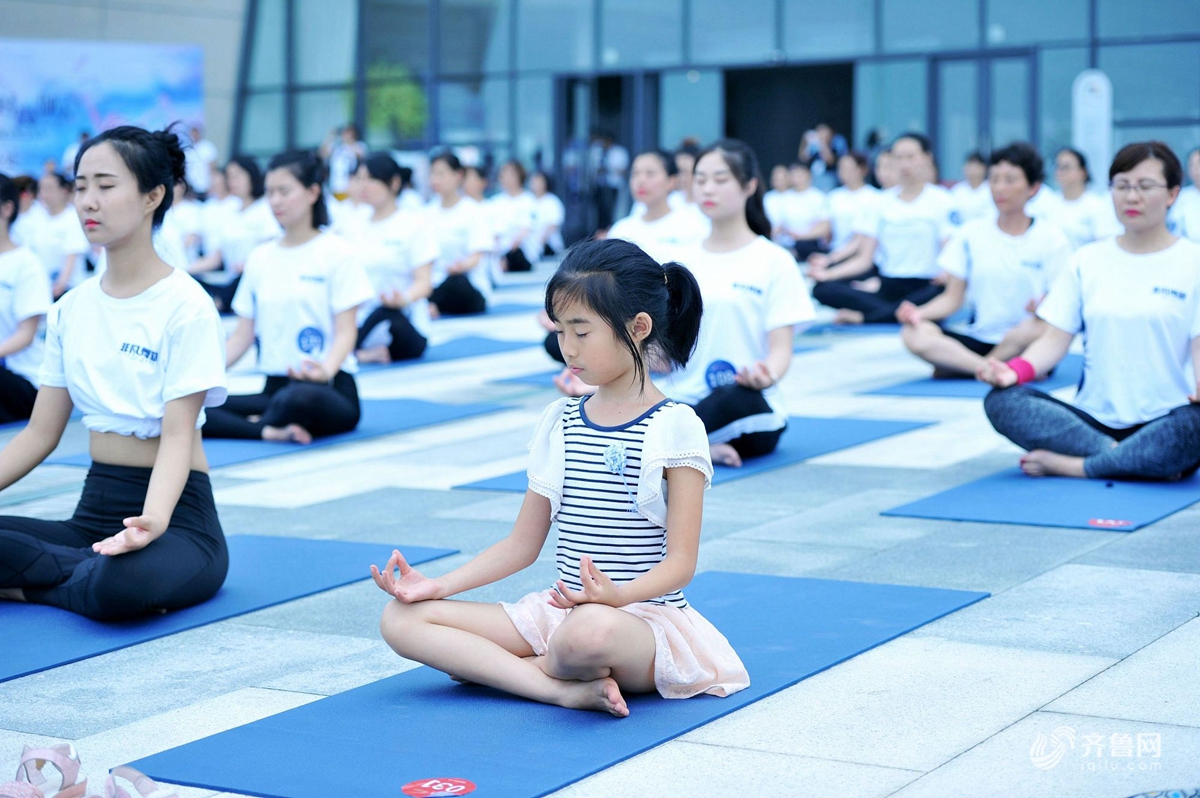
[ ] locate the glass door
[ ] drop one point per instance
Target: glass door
(981, 103)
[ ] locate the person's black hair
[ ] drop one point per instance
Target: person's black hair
(26, 185)
(688, 147)
(550, 180)
(478, 172)
(617, 280)
(62, 180)
(383, 167)
(861, 159)
(1025, 157)
(667, 160)
(800, 165)
(977, 157)
(10, 193)
(743, 163)
(155, 158)
(307, 167)
(522, 175)
(920, 138)
(1080, 157)
(406, 177)
(258, 186)
(1133, 154)
(448, 158)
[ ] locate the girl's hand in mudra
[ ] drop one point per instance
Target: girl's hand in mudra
(411, 587)
(597, 588)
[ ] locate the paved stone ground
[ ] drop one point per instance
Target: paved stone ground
(1087, 630)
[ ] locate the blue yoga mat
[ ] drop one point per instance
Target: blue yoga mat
(804, 439)
(853, 329)
(456, 349)
(379, 417)
(1010, 497)
(263, 571)
(419, 726)
(1069, 373)
(542, 379)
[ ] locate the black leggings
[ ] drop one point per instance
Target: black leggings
(53, 562)
(457, 297)
(877, 308)
(321, 408)
(723, 409)
(1165, 448)
(407, 343)
(516, 261)
(17, 396)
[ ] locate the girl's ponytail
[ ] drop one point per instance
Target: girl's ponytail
(684, 308)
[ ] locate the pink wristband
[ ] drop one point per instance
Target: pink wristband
(1025, 370)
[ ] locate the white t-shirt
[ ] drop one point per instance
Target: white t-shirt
(509, 216)
(747, 293)
(1140, 314)
(775, 205)
(846, 208)
(461, 230)
(548, 211)
(343, 160)
(123, 360)
(803, 209)
(1084, 220)
(663, 236)
(1184, 218)
(25, 229)
(245, 229)
(56, 238)
(24, 293)
(214, 214)
(972, 203)
(1043, 204)
(198, 162)
(1003, 272)
(390, 251)
(909, 234)
(293, 294)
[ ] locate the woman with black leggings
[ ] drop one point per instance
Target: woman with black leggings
(138, 351)
(298, 298)
(1138, 298)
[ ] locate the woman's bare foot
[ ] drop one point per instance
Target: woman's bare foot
(292, 433)
(12, 594)
(724, 454)
(601, 695)
(1042, 463)
(376, 354)
(847, 316)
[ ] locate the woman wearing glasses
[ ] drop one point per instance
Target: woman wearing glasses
(1138, 297)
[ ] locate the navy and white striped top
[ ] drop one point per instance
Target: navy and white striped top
(598, 515)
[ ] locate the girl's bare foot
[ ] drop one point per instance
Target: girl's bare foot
(12, 594)
(293, 433)
(601, 695)
(376, 354)
(724, 454)
(1042, 463)
(847, 316)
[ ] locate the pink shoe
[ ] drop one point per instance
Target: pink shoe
(145, 786)
(31, 783)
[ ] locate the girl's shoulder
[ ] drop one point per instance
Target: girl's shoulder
(676, 431)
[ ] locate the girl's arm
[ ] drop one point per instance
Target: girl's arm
(685, 485)
(861, 262)
(32, 445)
(465, 264)
(22, 337)
(210, 262)
(239, 341)
(940, 307)
(422, 285)
(1043, 354)
(766, 373)
(63, 282)
(172, 465)
(502, 559)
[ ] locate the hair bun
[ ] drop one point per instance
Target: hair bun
(174, 147)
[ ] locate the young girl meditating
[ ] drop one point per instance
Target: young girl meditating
(602, 466)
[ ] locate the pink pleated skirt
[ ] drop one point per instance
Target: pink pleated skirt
(690, 656)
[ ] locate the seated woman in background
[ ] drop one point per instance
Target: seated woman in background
(1138, 297)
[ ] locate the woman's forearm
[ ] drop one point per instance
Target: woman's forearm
(20, 339)
(22, 454)
(172, 465)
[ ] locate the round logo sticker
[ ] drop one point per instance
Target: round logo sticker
(430, 788)
(310, 340)
(720, 372)
(1109, 523)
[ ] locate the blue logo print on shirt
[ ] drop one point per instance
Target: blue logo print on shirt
(1171, 292)
(719, 373)
(310, 340)
(139, 353)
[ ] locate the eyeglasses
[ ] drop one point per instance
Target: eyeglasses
(1142, 188)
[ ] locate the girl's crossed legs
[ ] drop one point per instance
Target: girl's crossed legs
(595, 653)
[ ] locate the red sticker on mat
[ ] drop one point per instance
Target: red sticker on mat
(430, 788)
(1109, 523)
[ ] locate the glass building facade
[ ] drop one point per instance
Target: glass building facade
(526, 78)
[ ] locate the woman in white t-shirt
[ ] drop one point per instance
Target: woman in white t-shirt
(1184, 218)
(753, 298)
(1138, 298)
(397, 250)
(59, 241)
(1085, 217)
(775, 204)
(661, 229)
(972, 196)
(850, 204)
(299, 299)
(511, 213)
(464, 234)
(902, 238)
(24, 302)
(1000, 268)
(138, 351)
(806, 219)
(546, 241)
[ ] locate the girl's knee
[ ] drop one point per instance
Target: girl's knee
(587, 633)
(398, 620)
